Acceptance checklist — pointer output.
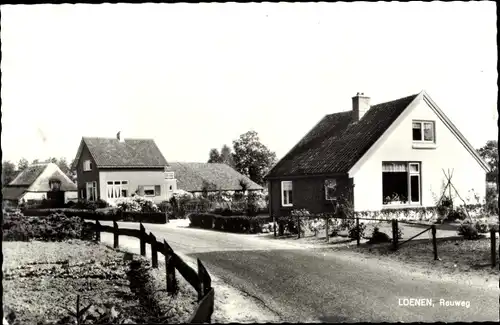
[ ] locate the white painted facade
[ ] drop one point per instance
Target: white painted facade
(135, 179)
(396, 144)
(38, 189)
(68, 196)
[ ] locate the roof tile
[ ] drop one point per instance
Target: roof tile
(191, 176)
(139, 153)
(336, 143)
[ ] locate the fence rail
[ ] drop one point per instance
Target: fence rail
(200, 280)
(282, 220)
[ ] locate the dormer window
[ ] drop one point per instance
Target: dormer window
(87, 165)
(423, 131)
(54, 184)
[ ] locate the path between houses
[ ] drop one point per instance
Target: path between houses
(300, 284)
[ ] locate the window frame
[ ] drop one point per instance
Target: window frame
(149, 187)
(422, 128)
(87, 165)
(325, 186)
(169, 175)
(116, 188)
(409, 174)
(290, 194)
(91, 190)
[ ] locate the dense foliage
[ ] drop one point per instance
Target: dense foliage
(55, 227)
(237, 224)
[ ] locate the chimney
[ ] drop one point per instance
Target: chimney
(119, 137)
(360, 105)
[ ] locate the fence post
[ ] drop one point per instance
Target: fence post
(395, 234)
(298, 226)
(326, 229)
(274, 226)
(170, 268)
(154, 251)
(434, 242)
(115, 234)
(142, 239)
(205, 281)
(97, 231)
(493, 248)
(358, 236)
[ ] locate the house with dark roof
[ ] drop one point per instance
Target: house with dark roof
(194, 177)
(38, 182)
(112, 168)
(390, 155)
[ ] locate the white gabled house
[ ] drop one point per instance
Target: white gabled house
(392, 155)
(38, 182)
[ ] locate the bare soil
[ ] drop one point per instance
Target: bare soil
(40, 278)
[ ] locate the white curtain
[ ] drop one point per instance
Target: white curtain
(394, 167)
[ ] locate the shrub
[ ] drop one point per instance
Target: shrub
(482, 227)
(137, 204)
(379, 237)
(165, 206)
(456, 215)
(237, 224)
(201, 220)
(144, 217)
(491, 199)
(85, 205)
(353, 231)
(468, 231)
(55, 227)
(444, 206)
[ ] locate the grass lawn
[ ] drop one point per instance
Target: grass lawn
(41, 277)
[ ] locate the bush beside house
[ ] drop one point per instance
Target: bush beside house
(136, 209)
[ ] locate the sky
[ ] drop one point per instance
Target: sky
(197, 76)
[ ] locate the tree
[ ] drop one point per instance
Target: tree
(52, 160)
(35, 161)
(22, 164)
(8, 172)
(226, 156)
(251, 157)
(214, 156)
(489, 152)
(72, 170)
(62, 163)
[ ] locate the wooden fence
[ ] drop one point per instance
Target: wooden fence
(395, 237)
(200, 280)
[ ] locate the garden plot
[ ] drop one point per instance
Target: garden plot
(41, 279)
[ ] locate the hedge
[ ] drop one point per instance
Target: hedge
(54, 227)
(237, 224)
(103, 215)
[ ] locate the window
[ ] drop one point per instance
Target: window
(401, 183)
(91, 191)
(55, 185)
(423, 131)
(149, 190)
(87, 165)
(116, 189)
(286, 194)
(169, 175)
(330, 189)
